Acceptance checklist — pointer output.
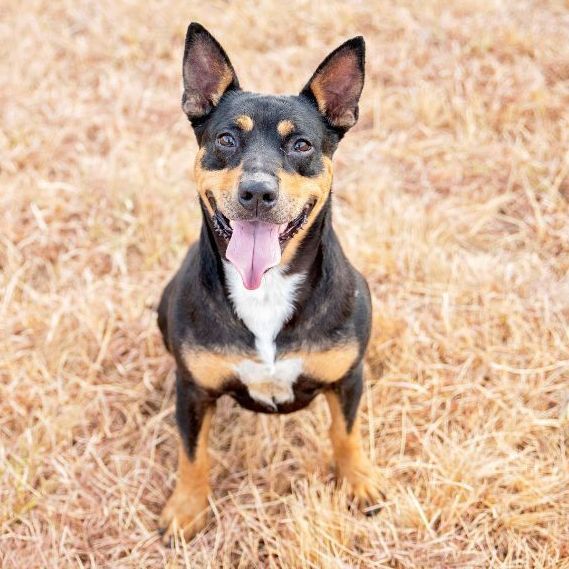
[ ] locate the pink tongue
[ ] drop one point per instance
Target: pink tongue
(253, 248)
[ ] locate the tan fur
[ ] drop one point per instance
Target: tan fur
(300, 189)
(210, 369)
(224, 82)
(330, 365)
(220, 183)
(186, 508)
(244, 122)
(317, 87)
(270, 390)
(285, 127)
(352, 463)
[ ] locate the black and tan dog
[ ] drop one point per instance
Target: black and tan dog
(265, 308)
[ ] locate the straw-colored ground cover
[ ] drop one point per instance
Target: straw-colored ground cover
(451, 195)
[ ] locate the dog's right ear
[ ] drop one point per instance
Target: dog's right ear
(207, 72)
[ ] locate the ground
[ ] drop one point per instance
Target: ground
(451, 195)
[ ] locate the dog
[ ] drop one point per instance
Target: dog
(266, 307)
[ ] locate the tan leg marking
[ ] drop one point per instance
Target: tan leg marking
(285, 127)
(244, 122)
(186, 509)
(210, 369)
(352, 464)
(330, 365)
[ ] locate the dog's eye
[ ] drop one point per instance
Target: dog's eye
(226, 139)
(302, 145)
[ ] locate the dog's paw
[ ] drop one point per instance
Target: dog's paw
(184, 512)
(365, 483)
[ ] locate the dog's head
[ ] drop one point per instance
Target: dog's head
(264, 167)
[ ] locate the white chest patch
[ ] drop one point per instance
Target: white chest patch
(265, 311)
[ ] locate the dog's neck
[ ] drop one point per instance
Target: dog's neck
(323, 279)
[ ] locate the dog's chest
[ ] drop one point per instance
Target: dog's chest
(265, 311)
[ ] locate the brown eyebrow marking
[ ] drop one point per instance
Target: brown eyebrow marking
(244, 122)
(285, 127)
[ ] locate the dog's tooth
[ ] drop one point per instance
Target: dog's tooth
(220, 229)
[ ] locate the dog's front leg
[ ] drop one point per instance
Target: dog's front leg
(352, 463)
(187, 507)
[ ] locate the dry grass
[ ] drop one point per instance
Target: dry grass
(451, 195)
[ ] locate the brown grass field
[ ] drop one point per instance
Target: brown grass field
(451, 195)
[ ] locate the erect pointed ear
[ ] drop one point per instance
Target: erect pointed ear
(337, 84)
(207, 72)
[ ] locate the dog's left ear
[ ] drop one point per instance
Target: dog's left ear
(337, 84)
(207, 71)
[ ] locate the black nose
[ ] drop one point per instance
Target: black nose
(255, 195)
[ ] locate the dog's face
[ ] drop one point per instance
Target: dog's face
(264, 167)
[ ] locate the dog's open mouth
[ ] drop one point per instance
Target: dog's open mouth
(255, 246)
(223, 226)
